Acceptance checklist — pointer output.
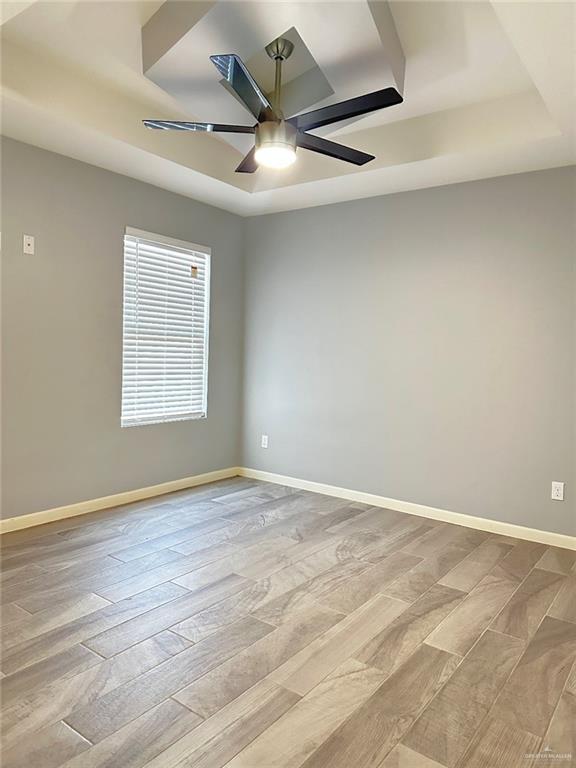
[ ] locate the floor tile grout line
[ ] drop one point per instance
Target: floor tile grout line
(67, 724)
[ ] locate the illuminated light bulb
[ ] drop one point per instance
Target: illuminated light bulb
(275, 144)
(275, 155)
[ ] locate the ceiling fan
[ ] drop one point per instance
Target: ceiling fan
(276, 137)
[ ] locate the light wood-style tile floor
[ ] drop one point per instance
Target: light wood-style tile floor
(249, 625)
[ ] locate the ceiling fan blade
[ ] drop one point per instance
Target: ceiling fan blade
(361, 105)
(248, 164)
(182, 125)
(233, 70)
(332, 149)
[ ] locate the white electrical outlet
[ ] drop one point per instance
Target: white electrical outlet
(264, 441)
(28, 245)
(558, 491)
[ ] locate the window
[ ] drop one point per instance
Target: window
(165, 349)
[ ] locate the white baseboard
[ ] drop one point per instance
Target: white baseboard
(105, 502)
(480, 523)
(444, 515)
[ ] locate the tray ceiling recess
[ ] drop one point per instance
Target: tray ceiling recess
(482, 96)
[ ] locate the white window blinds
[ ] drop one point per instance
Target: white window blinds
(166, 312)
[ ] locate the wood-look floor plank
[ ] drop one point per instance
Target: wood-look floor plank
(217, 616)
(11, 575)
(561, 733)
(310, 523)
(395, 644)
(526, 608)
(50, 748)
(241, 507)
(229, 730)
(520, 561)
(500, 745)
(69, 662)
(224, 746)
(263, 564)
(263, 557)
(370, 519)
(443, 535)
(298, 733)
(168, 540)
(459, 631)
(282, 509)
(10, 612)
(62, 577)
(411, 585)
(230, 495)
(357, 590)
(273, 599)
(529, 698)
(154, 535)
(558, 560)
(207, 540)
(402, 757)
(571, 682)
(67, 586)
(200, 576)
(33, 625)
(309, 666)
(377, 551)
(354, 542)
(478, 564)
(446, 727)
(122, 636)
(56, 700)
(280, 609)
(126, 702)
(564, 606)
(56, 640)
(279, 582)
(140, 741)
(217, 688)
(370, 733)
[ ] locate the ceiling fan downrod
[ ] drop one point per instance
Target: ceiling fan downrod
(279, 50)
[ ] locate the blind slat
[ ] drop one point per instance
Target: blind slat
(165, 335)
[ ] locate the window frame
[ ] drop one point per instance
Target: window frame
(206, 251)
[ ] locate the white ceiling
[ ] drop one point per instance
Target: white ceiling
(489, 90)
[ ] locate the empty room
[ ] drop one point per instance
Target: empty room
(288, 384)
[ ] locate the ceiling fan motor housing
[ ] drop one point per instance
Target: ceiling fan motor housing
(274, 133)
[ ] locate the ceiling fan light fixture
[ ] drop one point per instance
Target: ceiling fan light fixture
(275, 156)
(275, 144)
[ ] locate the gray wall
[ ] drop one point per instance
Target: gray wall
(62, 334)
(420, 346)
